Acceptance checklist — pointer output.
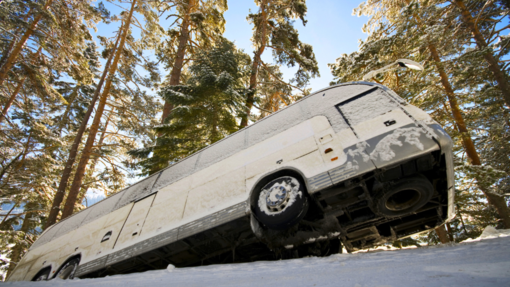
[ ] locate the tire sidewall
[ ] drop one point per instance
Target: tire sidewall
(422, 185)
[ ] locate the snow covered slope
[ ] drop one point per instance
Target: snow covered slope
(476, 263)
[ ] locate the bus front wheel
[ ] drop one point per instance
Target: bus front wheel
(67, 271)
(281, 203)
(42, 275)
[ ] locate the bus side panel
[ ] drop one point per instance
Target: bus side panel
(284, 157)
(376, 126)
(331, 147)
(130, 233)
(219, 169)
(296, 147)
(168, 207)
(309, 164)
(82, 239)
(49, 255)
(20, 271)
(87, 242)
(24, 266)
(278, 143)
(218, 159)
(215, 195)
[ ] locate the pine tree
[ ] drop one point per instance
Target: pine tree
(205, 108)
(198, 25)
(14, 53)
(86, 152)
(66, 173)
(470, 22)
(274, 30)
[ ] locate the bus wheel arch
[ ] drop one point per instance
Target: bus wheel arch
(43, 274)
(280, 200)
(68, 268)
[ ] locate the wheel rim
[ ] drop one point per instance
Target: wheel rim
(275, 197)
(278, 197)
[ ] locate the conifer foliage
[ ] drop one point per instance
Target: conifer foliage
(205, 109)
(273, 29)
(197, 25)
(51, 68)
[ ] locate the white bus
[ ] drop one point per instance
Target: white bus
(351, 165)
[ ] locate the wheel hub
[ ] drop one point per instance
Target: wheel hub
(278, 197)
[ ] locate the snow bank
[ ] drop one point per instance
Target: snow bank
(489, 233)
(479, 263)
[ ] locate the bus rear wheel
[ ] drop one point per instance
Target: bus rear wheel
(281, 203)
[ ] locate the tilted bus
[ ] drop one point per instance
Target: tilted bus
(351, 165)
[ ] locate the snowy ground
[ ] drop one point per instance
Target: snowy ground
(480, 262)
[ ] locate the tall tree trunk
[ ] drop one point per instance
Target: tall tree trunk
(87, 150)
(19, 46)
(6, 52)
(496, 200)
(13, 42)
(442, 234)
(499, 75)
(68, 168)
(467, 142)
(92, 167)
(255, 65)
(175, 75)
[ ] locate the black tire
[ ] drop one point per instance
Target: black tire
(67, 271)
(42, 275)
(405, 196)
(286, 212)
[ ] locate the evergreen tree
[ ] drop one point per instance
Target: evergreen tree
(87, 149)
(205, 108)
(273, 29)
(500, 77)
(197, 25)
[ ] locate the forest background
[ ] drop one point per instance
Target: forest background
(95, 95)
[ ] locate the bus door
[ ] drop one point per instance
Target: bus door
(133, 226)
